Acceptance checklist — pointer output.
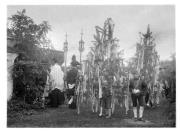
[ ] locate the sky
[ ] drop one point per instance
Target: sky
(129, 21)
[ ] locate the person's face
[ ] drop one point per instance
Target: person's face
(142, 77)
(74, 58)
(53, 62)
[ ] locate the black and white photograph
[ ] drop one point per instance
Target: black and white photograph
(91, 66)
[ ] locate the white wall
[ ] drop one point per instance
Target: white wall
(10, 61)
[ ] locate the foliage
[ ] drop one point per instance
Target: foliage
(131, 66)
(147, 58)
(168, 74)
(17, 105)
(104, 51)
(27, 34)
(29, 71)
(29, 81)
(167, 67)
(17, 109)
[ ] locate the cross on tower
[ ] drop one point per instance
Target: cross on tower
(66, 36)
(65, 44)
(81, 34)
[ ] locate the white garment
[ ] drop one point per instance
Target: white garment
(56, 76)
(161, 87)
(126, 103)
(135, 112)
(141, 110)
(10, 61)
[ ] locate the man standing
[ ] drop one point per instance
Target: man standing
(156, 94)
(74, 62)
(138, 88)
(57, 83)
(71, 79)
(105, 100)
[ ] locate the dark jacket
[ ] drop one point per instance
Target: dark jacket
(138, 84)
(106, 92)
(75, 63)
(72, 75)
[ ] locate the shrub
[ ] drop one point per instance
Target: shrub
(29, 81)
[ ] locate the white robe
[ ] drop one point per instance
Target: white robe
(56, 76)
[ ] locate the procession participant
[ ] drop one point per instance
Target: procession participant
(126, 95)
(71, 78)
(105, 101)
(161, 88)
(166, 88)
(94, 94)
(74, 62)
(56, 80)
(156, 94)
(138, 88)
(73, 71)
(115, 93)
(148, 95)
(173, 86)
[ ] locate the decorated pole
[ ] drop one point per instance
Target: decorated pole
(65, 58)
(81, 47)
(147, 57)
(80, 86)
(65, 53)
(105, 54)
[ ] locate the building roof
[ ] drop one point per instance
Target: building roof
(46, 54)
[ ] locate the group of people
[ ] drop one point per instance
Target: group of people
(55, 86)
(138, 89)
(142, 94)
(54, 89)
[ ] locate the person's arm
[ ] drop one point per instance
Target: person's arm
(78, 63)
(48, 73)
(144, 87)
(130, 86)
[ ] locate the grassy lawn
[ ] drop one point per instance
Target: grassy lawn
(64, 117)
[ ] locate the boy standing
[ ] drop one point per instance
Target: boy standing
(105, 101)
(138, 88)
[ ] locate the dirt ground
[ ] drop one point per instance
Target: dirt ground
(64, 117)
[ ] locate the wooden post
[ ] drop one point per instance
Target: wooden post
(65, 68)
(99, 81)
(65, 53)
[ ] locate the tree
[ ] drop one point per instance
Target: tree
(27, 34)
(29, 74)
(147, 57)
(167, 67)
